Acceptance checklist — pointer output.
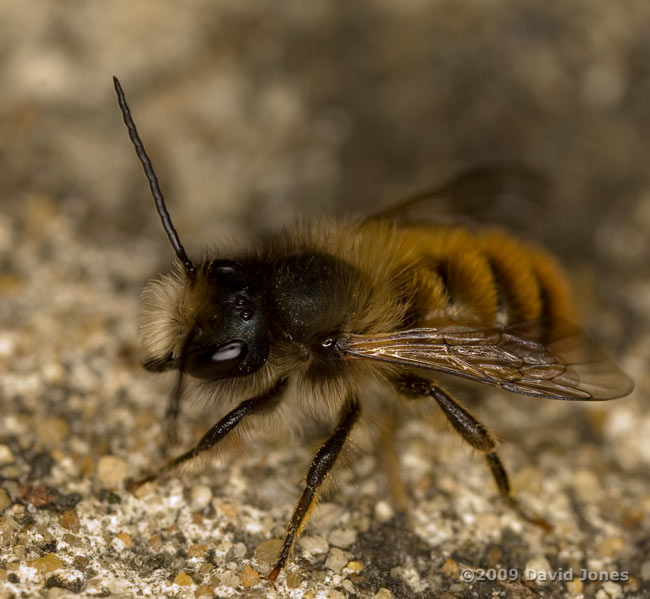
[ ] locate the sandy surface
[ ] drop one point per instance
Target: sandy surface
(256, 113)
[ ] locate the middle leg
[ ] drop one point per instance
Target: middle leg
(320, 468)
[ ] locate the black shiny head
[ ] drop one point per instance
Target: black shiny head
(230, 337)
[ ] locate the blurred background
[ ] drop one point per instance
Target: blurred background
(257, 113)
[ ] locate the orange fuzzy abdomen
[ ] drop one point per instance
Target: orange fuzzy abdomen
(485, 277)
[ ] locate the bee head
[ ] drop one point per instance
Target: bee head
(215, 308)
(229, 337)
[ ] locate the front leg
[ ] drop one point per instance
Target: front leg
(174, 403)
(173, 410)
(267, 400)
(320, 468)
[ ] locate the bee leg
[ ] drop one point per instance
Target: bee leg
(262, 402)
(319, 469)
(475, 433)
(172, 411)
(174, 403)
(389, 460)
(501, 478)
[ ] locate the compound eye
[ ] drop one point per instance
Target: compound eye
(216, 362)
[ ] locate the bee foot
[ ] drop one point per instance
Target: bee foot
(273, 575)
(133, 485)
(530, 517)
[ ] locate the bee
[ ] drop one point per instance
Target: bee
(305, 322)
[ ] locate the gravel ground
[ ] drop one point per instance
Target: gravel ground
(257, 113)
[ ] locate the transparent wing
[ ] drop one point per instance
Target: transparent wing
(511, 195)
(565, 365)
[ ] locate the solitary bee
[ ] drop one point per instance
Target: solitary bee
(303, 323)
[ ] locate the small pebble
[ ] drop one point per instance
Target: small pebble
(348, 585)
(355, 567)
(334, 594)
(18, 512)
(51, 431)
(183, 580)
(42, 530)
(574, 586)
(336, 560)
(229, 579)
(67, 579)
(343, 537)
(383, 594)
(249, 577)
(611, 546)
(117, 586)
(383, 511)
(155, 543)
(126, 539)
(72, 540)
(201, 497)
(6, 456)
(204, 591)
(111, 471)
(11, 471)
(5, 500)
(70, 520)
(46, 564)
(197, 550)
(144, 490)
(313, 545)
(80, 562)
(494, 556)
(631, 519)
(610, 590)
(229, 510)
(450, 568)
(326, 516)
(586, 484)
(538, 569)
(239, 550)
(268, 551)
(293, 580)
(87, 467)
(38, 496)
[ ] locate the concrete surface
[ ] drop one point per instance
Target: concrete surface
(256, 113)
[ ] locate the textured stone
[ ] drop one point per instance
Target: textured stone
(111, 471)
(183, 580)
(46, 564)
(249, 577)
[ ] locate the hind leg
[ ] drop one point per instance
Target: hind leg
(389, 460)
(472, 431)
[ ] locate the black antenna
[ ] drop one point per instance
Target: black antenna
(153, 183)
